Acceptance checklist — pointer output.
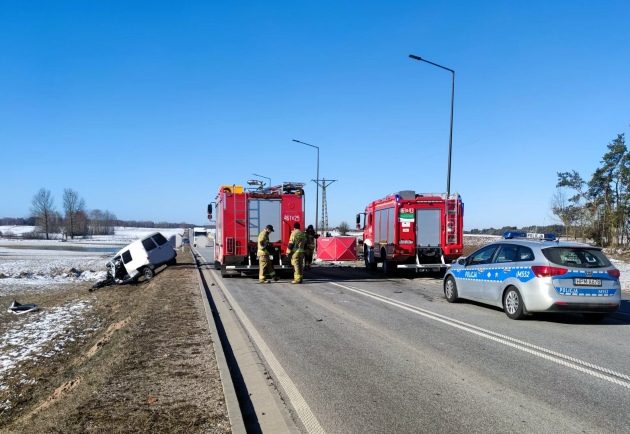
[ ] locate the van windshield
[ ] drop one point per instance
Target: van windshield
(584, 257)
(159, 239)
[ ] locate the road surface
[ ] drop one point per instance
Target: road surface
(369, 354)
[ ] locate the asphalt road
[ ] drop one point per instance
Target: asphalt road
(378, 355)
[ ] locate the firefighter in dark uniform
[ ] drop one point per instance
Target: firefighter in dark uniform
(295, 249)
(265, 266)
(311, 238)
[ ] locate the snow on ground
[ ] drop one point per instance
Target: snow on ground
(38, 336)
(127, 235)
(16, 230)
(43, 267)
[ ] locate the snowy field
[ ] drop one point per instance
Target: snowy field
(122, 236)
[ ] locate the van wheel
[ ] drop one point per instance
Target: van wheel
(450, 290)
(513, 304)
(148, 273)
(368, 257)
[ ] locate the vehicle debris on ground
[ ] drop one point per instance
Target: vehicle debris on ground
(19, 308)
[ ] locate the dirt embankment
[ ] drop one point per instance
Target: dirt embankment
(148, 365)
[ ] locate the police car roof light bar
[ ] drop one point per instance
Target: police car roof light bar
(550, 237)
(514, 234)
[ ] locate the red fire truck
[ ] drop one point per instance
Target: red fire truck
(412, 230)
(242, 214)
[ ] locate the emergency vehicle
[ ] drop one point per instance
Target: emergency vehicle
(422, 231)
(242, 214)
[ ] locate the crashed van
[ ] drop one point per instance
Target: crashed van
(141, 258)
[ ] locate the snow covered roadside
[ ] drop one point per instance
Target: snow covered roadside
(36, 337)
(55, 275)
(28, 337)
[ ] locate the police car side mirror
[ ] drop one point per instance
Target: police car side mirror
(461, 261)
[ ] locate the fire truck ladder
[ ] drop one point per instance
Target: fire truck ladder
(240, 219)
(452, 219)
(254, 222)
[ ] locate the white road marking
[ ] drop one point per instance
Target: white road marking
(298, 402)
(553, 356)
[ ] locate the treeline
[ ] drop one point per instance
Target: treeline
(598, 208)
(559, 230)
(73, 220)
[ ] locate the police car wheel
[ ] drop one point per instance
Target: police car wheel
(594, 316)
(450, 290)
(513, 304)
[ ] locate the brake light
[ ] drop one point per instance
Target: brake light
(544, 271)
(614, 273)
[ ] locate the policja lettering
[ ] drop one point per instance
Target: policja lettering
(265, 266)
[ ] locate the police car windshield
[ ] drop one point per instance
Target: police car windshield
(582, 257)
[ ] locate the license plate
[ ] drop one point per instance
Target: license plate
(582, 281)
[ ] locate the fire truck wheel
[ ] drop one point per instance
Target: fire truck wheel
(148, 273)
(389, 267)
(450, 290)
(368, 257)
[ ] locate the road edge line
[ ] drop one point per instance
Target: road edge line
(235, 415)
(299, 404)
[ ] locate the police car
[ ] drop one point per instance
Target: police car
(524, 275)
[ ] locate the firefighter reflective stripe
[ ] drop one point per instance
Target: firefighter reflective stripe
(297, 241)
(263, 243)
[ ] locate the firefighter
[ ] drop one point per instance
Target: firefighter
(265, 267)
(311, 236)
(295, 250)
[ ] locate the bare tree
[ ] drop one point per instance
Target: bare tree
(73, 205)
(101, 222)
(343, 228)
(43, 208)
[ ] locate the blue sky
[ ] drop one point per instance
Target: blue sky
(145, 108)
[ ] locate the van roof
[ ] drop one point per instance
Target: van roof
(139, 240)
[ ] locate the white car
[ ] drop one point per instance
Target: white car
(141, 258)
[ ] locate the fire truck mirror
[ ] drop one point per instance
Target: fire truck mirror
(358, 221)
(209, 211)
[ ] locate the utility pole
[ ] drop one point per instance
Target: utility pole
(323, 183)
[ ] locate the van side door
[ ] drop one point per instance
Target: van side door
(164, 251)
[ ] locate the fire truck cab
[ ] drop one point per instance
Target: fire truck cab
(422, 231)
(242, 214)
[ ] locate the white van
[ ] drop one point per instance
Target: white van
(141, 258)
(200, 237)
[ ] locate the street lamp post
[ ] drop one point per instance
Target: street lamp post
(317, 182)
(450, 140)
(262, 176)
